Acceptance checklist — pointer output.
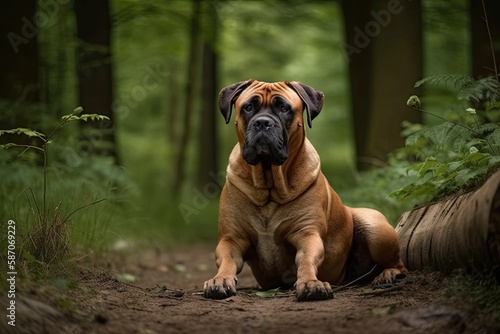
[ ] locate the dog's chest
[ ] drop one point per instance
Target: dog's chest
(266, 219)
(272, 251)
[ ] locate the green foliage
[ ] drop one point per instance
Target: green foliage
(438, 179)
(23, 131)
(85, 117)
(469, 89)
(458, 154)
(46, 235)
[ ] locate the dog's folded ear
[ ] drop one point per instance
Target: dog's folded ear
(228, 95)
(312, 98)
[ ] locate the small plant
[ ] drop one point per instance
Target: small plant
(458, 154)
(47, 238)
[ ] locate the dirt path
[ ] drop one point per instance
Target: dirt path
(165, 298)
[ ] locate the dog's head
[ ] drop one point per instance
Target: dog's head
(269, 117)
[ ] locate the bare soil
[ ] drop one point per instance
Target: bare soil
(163, 295)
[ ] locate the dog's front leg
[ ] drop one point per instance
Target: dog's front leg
(309, 256)
(229, 259)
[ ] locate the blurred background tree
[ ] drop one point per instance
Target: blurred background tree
(384, 42)
(155, 69)
(20, 94)
(94, 69)
(484, 63)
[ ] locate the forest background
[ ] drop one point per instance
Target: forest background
(154, 69)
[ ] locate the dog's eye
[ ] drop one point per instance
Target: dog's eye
(284, 109)
(248, 108)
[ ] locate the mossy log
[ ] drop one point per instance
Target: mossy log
(460, 232)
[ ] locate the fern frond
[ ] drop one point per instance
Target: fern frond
(485, 89)
(469, 89)
(459, 80)
(446, 134)
(488, 128)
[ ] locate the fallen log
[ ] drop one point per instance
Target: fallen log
(460, 232)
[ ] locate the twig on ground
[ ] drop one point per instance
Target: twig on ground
(340, 288)
(379, 292)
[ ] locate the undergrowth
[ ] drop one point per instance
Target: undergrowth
(43, 210)
(458, 154)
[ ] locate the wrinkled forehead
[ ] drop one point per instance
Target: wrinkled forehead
(267, 92)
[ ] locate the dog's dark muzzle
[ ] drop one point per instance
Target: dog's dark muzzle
(266, 141)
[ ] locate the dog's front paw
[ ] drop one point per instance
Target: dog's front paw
(220, 287)
(313, 290)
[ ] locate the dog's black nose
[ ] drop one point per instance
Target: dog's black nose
(262, 123)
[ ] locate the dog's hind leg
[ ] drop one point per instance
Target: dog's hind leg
(377, 239)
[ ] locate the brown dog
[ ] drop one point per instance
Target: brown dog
(278, 212)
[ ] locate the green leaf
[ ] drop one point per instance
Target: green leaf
(444, 79)
(29, 257)
(127, 278)
(468, 88)
(429, 165)
(2, 132)
(410, 128)
(77, 111)
(493, 161)
(70, 118)
(24, 131)
(93, 117)
(8, 145)
(273, 293)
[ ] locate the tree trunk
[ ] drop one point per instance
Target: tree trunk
(461, 232)
(94, 70)
(358, 54)
(194, 47)
(19, 65)
(207, 161)
(174, 112)
(384, 49)
(483, 57)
